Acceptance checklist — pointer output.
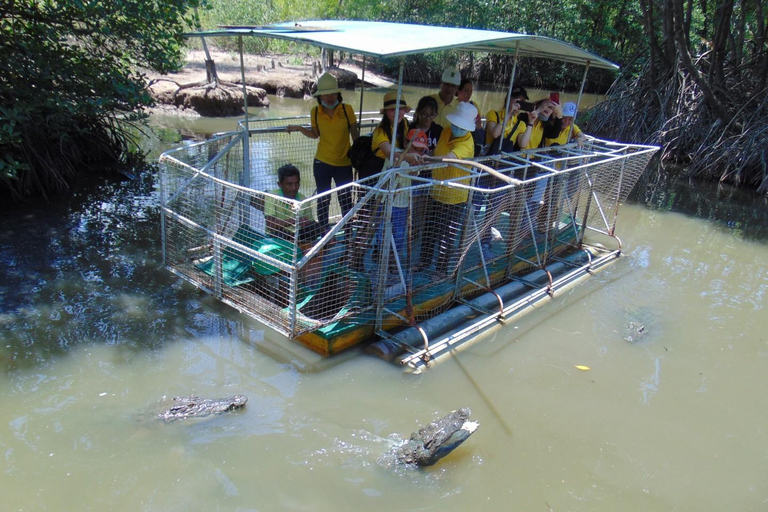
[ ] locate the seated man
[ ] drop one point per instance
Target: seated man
(281, 218)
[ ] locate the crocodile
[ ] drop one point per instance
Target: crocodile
(183, 407)
(635, 331)
(437, 439)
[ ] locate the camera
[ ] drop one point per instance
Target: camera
(526, 106)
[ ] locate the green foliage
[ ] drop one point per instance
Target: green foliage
(68, 72)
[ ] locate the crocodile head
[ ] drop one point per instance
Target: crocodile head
(437, 439)
(183, 407)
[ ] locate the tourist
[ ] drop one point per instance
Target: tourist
(424, 119)
(494, 123)
(544, 121)
(566, 134)
(446, 97)
(333, 122)
(402, 200)
(281, 218)
(368, 219)
(381, 143)
(447, 206)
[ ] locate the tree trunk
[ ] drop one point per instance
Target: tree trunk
(761, 52)
(685, 57)
(720, 42)
(210, 72)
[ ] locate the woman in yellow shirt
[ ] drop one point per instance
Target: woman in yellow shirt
(569, 112)
(494, 120)
(382, 135)
(447, 205)
(545, 121)
(333, 122)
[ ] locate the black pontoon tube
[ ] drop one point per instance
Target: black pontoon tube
(439, 325)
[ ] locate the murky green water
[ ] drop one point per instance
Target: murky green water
(95, 333)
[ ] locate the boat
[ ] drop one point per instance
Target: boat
(538, 222)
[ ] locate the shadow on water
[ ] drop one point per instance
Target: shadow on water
(740, 210)
(87, 268)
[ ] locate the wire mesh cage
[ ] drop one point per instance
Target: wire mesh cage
(404, 248)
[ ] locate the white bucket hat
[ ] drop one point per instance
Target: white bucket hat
(327, 84)
(452, 76)
(464, 116)
(569, 109)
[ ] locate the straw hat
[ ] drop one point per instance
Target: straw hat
(390, 102)
(464, 116)
(327, 84)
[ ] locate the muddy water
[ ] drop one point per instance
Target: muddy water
(95, 333)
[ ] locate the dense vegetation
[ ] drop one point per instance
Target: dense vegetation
(69, 85)
(693, 76)
(693, 72)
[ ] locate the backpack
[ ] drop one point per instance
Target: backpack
(363, 159)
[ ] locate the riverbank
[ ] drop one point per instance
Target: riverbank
(189, 92)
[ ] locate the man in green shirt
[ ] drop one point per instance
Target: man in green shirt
(281, 215)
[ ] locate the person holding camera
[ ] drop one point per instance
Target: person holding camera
(566, 133)
(545, 121)
(494, 123)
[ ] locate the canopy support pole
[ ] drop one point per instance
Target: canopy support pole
(578, 100)
(509, 92)
(362, 93)
(247, 134)
(397, 111)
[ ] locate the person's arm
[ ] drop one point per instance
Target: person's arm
(275, 224)
(354, 131)
(354, 127)
(493, 127)
(411, 158)
(309, 132)
(524, 139)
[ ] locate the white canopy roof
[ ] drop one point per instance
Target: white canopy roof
(381, 39)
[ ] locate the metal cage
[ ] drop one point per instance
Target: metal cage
(402, 253)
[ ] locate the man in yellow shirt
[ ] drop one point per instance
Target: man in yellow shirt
(446, 98)
(447, 205)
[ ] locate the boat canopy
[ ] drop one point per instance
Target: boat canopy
(383, 39)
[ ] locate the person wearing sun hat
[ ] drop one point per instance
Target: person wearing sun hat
(332, 122)
(381, 143)
(381, 146)
(448, 204)
(569, 112)
(446, 97)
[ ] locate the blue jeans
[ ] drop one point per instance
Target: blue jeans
(324, 174)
